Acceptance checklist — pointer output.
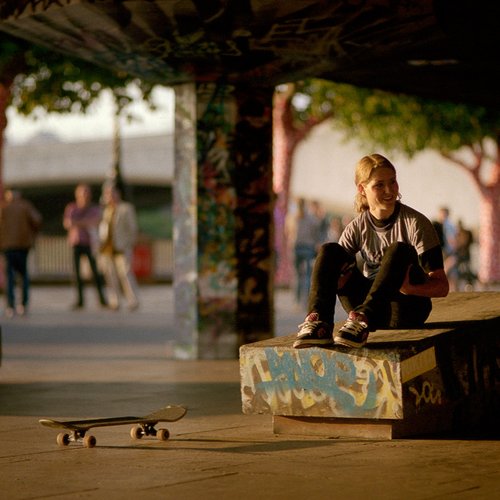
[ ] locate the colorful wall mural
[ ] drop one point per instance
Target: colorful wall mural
(320, 383)
(223, 224)
(254, 222)
(216, 203)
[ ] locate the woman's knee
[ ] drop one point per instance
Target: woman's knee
(400, 250)
(332, 250)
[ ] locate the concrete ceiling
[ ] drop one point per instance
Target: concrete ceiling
(445, 49)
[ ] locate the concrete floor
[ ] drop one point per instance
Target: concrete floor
(58, 363)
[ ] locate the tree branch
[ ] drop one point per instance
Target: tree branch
(312, 122)
(473, 169)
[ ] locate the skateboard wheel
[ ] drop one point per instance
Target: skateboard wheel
(89, 441)
(136, 432)
(162, 434)
(63, 439)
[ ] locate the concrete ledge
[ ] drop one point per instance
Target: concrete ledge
(403, 382)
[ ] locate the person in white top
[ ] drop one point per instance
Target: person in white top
(400, 260)
(118, 234)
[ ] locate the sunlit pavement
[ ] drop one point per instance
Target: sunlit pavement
(61, 363)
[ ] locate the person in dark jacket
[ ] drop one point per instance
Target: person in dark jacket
(20, 222)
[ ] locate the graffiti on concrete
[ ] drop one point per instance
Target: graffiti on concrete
(427, 394)
(253, 181)
(216, 195)
(320, 382)
(204, 200)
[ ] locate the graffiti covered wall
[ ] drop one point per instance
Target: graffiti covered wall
(223, 218)
(254, 223)
(217, 278)
(320, 383)
(204, 202)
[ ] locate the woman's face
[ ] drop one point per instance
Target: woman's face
(381, 192)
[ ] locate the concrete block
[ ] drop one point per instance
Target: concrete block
(403, 382)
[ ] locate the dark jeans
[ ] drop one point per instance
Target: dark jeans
(304, 258)
(17, 263)
(78, 252)
(379, 299)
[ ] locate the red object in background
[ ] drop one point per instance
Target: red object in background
(142, 261)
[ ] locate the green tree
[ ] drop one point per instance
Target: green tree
(467, 136)
(36, 80)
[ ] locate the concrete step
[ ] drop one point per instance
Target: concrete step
(441, 377)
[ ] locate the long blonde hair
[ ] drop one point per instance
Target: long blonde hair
(364, 170)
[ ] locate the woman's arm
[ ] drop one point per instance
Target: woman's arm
(436, 285)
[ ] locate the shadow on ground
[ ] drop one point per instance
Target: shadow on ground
(96, 399)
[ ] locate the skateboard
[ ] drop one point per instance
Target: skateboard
(144, 426)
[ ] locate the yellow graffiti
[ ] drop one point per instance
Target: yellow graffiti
(386, 397)
(428, 394)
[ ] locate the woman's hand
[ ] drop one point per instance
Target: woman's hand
(345, 274)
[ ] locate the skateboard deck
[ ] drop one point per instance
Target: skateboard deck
(144, 426)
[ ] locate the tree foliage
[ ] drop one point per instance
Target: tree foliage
(36, 80)
(401, 123)
(41, 80)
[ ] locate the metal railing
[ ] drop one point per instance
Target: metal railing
(51, 259)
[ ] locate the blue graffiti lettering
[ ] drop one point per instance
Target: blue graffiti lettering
(335, 377)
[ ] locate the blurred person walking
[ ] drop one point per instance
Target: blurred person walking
(118, 234)
(81, 220)
(306, 237)
(335, 229)
(20, 222)
(449, 247)
(465, 239)
(318, 211)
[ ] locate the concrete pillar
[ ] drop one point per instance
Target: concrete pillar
(255, 223)
(185, 224)
(222, 219)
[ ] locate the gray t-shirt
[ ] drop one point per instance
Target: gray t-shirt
(308, 230)
(371, 241)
